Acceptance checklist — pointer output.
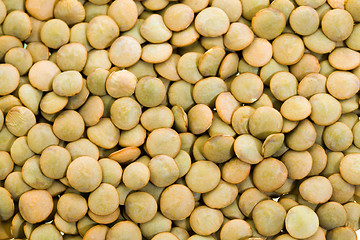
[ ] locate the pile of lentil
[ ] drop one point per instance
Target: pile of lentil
(175, 120)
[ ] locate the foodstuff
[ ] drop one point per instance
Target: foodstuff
(191, 119)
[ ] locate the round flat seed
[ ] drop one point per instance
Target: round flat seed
(46, 231)
(6, 164)
(70, 11)
(178, 17)
(200, 118)
(326, 110)
(214, 198)
(302, 137)
(19, 120)
(269, 175)
(154, 29)
(342, 191)
(136, 175)
(55, 33)
(96, 81)
(121, 84)
(284, 6)
(52, 103)
(240, 119)
(180, 93)
(82, 147)
(188, 67)
(84, 174)
(296, 108)
(304, 20)
(307, 64)
(238, 37)
(185, 38)
(248, 149)
(229, 65)
(163, 170)
(338, 56)
(104, 134)
(102, 31)
(63, 226)
(40, 136)
(3, 12)
(71, 56)
(134, 137)
(337, 24)
(42, 73)
(265, 121)
(218, 148)
(141, 207)
(206, 90)
(312, 84)
(35, 205)
(10, 78)
(177, 202)
(96, 232)
(72, 207)
(150, 91)
(124, 13)
(342, 233)
(92, 110)
(54, 161)
(157, 117)
(249, 198)
(7, 206)
(247, 87)
(19, 58)
(232, 8)
(104, 200)
(301, 222)
(163, 141)
(214, 220)
(124, 230)
(111, 171)
(125, 113)
(8, 42)
(167, 69)
(338, 137)
(226, 104)
(97, 59)
(69, 126)
(258, 53)
(235, 171)
(209, 63)
(283, 85)
(268, 23)
(316, 189)
(203, 176)
(272, 144)
(298, 163)
(342, 85)
(235, 229)
(165, 236)
(331, 215)
(68, 83)
(288, 49)
(349, 168)
(183, 161)
(156, 53)
(319, 43)
(269, 217)
(212, 22)
(125, 51)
